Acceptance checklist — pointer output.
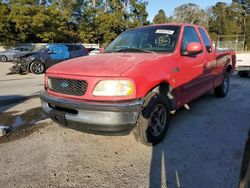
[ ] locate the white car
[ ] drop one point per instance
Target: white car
(96, 51)
(243, 64)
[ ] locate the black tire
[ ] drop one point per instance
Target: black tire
(3, 58)
(37, 67)
(243, 74)
(222, 90)
(145, 132)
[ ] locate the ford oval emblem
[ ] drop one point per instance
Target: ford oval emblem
(64, 84)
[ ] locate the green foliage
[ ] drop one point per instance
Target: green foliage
(89, 21)
(191, 13)
(100, 21)
(226, 19)
(248, 32)
(160, 18)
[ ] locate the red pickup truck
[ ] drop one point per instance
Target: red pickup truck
(143, 75)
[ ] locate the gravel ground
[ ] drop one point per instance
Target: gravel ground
(203, 148)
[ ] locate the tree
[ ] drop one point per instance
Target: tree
(109, 18)
(248, 32)
(7, 34)
(138, 13)
(246, 7)
(69, 21)
(226, 19)
(20, 18)
(160, 17)
(191, 13)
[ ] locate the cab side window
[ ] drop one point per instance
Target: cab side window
(59, 52)
(206, 40)
(189, 35)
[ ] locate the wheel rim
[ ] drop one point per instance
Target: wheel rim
(157, 120)
(226, 84)
(3, 58)
(37, 67)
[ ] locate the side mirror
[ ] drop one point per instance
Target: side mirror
(50, 52)
(193, 48)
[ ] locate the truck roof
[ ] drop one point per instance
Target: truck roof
(170, 24)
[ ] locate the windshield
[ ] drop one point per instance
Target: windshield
(146, 40)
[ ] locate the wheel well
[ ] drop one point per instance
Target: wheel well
(166, 90)
(4, 56)
(229, 68)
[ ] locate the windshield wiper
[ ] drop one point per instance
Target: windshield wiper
(134, 50)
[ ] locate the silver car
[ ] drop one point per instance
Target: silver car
(8, 54)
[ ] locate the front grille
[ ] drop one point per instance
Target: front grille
(67, 86)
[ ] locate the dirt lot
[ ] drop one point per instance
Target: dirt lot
(18, 87)
(203, 148)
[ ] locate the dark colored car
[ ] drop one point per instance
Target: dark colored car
(41, 59)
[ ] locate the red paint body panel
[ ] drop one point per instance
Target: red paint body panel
(188, 76)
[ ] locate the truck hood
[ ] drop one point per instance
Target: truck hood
(104, 65)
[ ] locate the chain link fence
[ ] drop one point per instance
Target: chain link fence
(235, 42)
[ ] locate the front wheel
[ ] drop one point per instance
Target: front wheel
(153, 122)
(37, 67)
(222, 90)
(3, 58)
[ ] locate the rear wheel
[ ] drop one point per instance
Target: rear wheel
(153, 121)
(243, 74)
(3, 58)
(37, 67)
(222, 90)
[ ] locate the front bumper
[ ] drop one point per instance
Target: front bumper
(104, 118)
(19, 66)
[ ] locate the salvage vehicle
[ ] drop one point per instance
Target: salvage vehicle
(243, 64)
(41, 59)
(9, 54)
(144, 74)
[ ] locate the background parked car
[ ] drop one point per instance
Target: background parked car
(243, 64)
(95, 51)
(9, 54)
(41, 59)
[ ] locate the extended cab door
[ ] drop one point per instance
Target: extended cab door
(191, 67)
(210, 64)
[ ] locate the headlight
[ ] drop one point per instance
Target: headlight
(114, 88)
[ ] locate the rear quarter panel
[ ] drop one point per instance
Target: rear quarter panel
(224, 59)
